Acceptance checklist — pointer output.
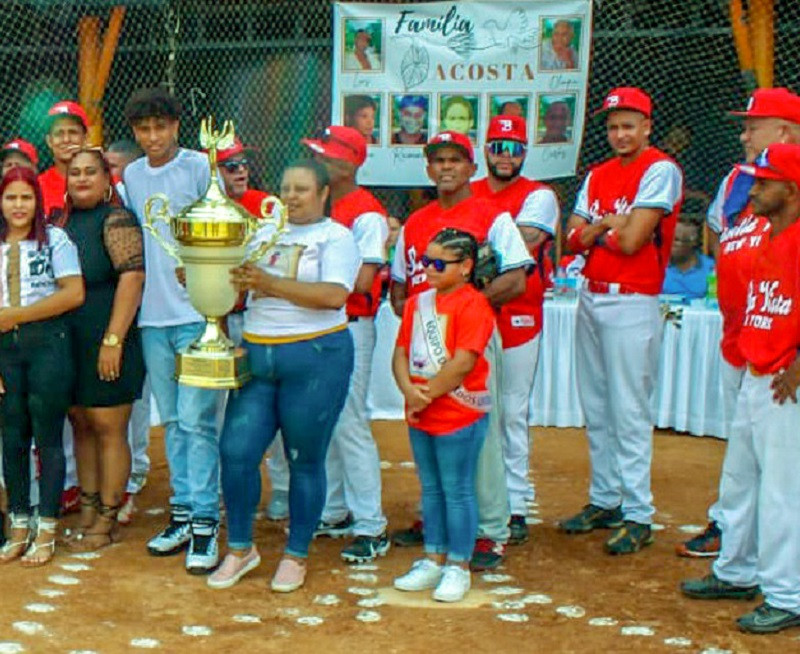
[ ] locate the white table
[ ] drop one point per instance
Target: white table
(688, 394)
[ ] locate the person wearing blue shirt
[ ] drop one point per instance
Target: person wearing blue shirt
(688, 270)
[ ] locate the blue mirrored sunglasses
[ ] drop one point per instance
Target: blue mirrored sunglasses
(511, 148)
(438, 264)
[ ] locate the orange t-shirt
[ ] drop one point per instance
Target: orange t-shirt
(466, 321)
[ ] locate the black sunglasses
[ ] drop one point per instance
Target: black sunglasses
(438, 264)
(233, 166)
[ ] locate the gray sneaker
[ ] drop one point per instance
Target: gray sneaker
(766, 619)
(712, 587)
(203, 555)
(175, 537)
(590, 518)
(278, 508)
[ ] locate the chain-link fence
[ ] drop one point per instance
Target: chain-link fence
(267, 65)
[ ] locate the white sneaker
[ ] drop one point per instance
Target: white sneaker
(455, 583)
(424, 574)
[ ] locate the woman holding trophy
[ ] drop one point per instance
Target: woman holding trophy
(107, 350)
(301, 357)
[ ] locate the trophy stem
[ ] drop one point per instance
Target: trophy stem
(213, 338)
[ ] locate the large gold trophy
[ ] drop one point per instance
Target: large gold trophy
(212, 235)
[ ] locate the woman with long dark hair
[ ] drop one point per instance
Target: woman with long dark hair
(107, 352)
(40, 281)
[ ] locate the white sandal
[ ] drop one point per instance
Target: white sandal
(13, 549)
(31, 557)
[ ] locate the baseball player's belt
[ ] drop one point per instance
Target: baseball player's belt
(610, 288)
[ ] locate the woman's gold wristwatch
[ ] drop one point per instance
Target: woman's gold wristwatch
(112, 340)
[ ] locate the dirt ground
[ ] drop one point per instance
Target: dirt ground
(559, 585)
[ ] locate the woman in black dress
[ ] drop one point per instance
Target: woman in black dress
(107, 350)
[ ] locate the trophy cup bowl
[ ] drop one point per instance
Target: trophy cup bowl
(211, 236)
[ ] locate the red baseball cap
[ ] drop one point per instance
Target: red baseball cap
(69, 108)
(237, 148)
(23, 147)
(778, 161)
(507, 128)
(772, 103)
(453, 139)
(343, 143)
(629, 98)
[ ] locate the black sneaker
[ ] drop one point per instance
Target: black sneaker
(629, 538)
(519, 530)
(766, 619)
(203, 555)
(706, 544)
(366, 548)
(175, 537)
(334, 529)
(712, 587)
(590, 518)
(411, 537)
(487, 555)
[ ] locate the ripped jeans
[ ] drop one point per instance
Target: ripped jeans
(299, 388)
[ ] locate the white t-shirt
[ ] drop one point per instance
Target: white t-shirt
(714, 213)
(324, 251)
(371, 231)
(661, 187)
(183, 180)
(540, 210)
(39, 269)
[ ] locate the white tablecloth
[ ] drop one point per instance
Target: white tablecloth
(688, 396)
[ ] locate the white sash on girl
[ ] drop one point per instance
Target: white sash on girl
(437, 353)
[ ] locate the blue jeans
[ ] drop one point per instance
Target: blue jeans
(299, 388)
(447, 466)
(189, 418)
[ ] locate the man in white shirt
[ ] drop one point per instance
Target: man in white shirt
(169, 324)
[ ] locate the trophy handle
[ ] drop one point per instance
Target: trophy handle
(267, 218)
(162, 215)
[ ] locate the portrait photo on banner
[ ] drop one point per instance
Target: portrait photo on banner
(363, 112)
(362, 45)
(410, 118)
(555, 118)
(561, 43)
(460, 113)
(510, 104)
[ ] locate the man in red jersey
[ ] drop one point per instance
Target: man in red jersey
(760, 516)
(68, 126)
(353, 464)
(534, 208)
(772, 116)
(451, 164)
(624, 219)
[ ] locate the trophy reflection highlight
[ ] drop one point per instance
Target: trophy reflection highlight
(212, 236)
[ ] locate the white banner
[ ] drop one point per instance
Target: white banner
(403, 72)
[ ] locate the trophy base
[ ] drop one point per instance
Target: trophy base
(212, 370)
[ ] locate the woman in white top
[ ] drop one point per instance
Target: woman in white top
(301, 356)
(40, 279)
